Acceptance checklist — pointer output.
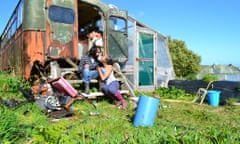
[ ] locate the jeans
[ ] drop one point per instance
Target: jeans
(112, 88)
(88, 75)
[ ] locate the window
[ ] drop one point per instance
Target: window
(61, 15)
(13, 27)
(14, 22)
(20, 14)
(117, 24)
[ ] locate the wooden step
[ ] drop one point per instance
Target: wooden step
(81, 81)
(94, 95)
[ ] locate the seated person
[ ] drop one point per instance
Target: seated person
(88, 65)
(111, 84)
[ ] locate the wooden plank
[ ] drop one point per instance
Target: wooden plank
(68, 69)
(94, 95)
(81, 81)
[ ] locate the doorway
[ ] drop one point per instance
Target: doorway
(145, 59)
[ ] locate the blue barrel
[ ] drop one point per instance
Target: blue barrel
(213, 97)
(146, 111)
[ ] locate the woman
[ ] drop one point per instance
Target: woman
(111, 84)
(88, 65)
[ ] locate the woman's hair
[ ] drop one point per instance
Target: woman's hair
(93, 51)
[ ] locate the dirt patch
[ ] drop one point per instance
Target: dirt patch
(218, 109)
(61, 114)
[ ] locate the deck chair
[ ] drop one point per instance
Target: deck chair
(201, 93)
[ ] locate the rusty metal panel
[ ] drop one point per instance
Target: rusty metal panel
(11, 58)
(61, 34)
(34, 15)
(33, 49)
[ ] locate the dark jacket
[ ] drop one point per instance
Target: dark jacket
(87, 60)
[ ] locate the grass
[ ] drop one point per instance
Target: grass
(175, 122)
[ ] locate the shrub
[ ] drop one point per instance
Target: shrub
(173, 93)
(210, 78)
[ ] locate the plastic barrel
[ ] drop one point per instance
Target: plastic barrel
(146, 111)
(213, 97)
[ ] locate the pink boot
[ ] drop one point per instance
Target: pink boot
(120, 100)
(118, 103)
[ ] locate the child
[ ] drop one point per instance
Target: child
(111, 84)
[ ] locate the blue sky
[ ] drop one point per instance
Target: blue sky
(210, 28)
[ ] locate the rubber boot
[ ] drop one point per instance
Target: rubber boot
(120, 100)
(118, 103)
(86, 88)
(124, 103)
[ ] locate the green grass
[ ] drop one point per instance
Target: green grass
(176, 122)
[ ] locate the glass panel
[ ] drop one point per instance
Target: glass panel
(145, 45)
(131, 53)
(145, 73)
(20, 14)
(99, 24)
(61, 14)
(13, 27)
(117, 39)
(163, 57)
(146, 69)
(117, 24)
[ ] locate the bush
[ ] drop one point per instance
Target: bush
(173, 93)
(209, 78)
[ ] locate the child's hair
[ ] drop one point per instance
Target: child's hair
(109, 61)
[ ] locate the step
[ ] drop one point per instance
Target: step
(92, 81)
(94, 95)
(81, 81)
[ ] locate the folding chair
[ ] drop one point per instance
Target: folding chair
(201, 93)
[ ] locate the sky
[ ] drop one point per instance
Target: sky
(210, 28)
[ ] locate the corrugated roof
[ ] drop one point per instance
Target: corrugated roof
(218, 70)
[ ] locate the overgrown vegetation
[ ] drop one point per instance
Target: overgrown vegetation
(9, 86)
(210, 78)
(174, 93)
(176, 122)
(185, 62)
